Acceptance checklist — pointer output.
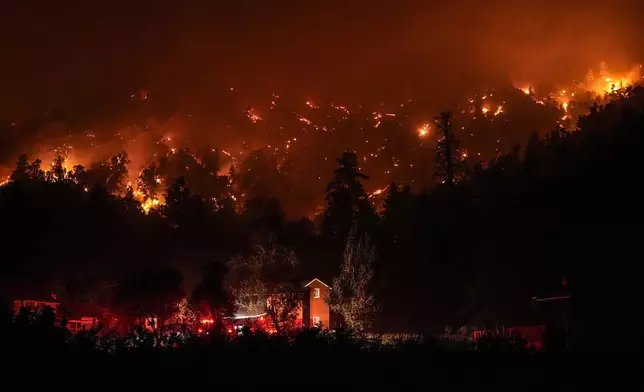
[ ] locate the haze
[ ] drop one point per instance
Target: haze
(81, 56)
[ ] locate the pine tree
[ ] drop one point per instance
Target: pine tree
(450, 166)
(348, 205)
(21, 172)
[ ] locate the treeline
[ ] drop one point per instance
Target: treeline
(557, 216)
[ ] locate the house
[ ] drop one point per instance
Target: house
(315, 308)
(35, 305)
(82, 324)
(313, 311)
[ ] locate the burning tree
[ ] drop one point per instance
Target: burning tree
(58, 171)
(350, 293)
(264, 282)
(150, 182)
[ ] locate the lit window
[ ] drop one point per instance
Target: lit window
(316, 293)
(316, 320)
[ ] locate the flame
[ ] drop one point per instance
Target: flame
(378, 192)
(423, 129)
(252, 115)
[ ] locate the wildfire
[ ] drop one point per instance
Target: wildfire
(378, 192)
(252, 115)
(284, 139)
(607, 83)
(423, 130)
(150, 204)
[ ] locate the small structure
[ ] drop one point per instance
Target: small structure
(35, 305)
(315, 309)
(83, 324)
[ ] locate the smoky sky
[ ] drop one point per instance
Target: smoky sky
(74, 55)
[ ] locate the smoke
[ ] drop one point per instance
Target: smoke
(203, 65)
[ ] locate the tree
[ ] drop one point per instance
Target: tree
(210, 295)
(21, 172)
(449, 158)
(184, 316)
(182, 207)
(35, 172)
(151, 293)
(78, 175)
(348, 205)
(350, 294)
(117, 173)
(58, 171)
(150, 182)
(264, 281)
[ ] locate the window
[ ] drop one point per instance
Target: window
(316, 293)
(316, 320)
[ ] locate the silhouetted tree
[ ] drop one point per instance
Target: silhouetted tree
(117, 173)
(21, 172)
(150, 182)
(35, 172)
(78, 175)
(211, 296)
(449, 159)
(347, 202)
(151, 293)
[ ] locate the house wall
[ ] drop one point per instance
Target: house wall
(33, 305)
(318, 307)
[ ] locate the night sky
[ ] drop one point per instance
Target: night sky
(80, 55)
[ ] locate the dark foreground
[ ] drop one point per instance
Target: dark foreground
(193, 368)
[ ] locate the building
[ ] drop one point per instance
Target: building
(35, 305)
(315, 308)
(313, 311)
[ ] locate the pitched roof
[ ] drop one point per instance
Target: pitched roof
(318, 280)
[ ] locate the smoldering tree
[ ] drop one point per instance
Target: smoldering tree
(350, 294)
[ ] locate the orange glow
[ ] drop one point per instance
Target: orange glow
(252, 115)
(207, 321)
(378, 192)
(424, 130)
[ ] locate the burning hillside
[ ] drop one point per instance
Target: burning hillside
(286, 148)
